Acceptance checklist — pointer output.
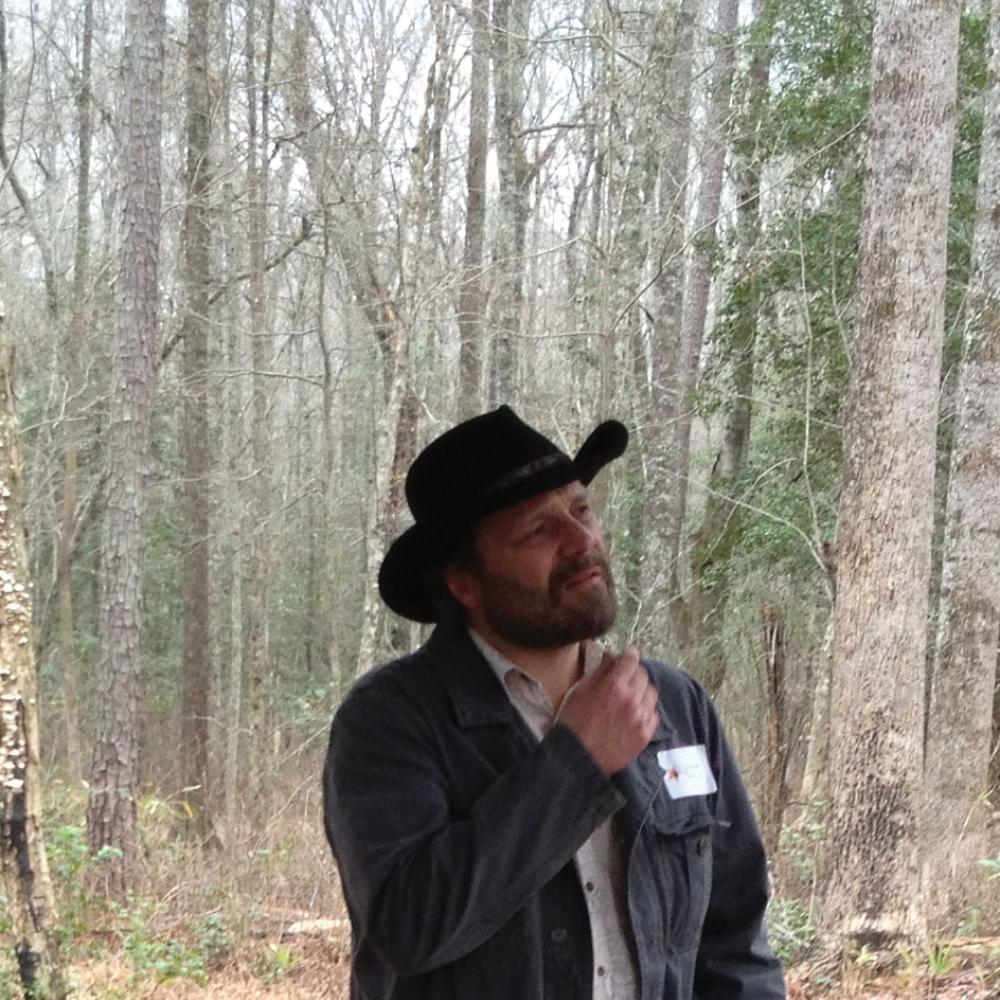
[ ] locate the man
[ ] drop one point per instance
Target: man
(518, 813)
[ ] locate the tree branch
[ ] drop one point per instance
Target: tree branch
(305, 233)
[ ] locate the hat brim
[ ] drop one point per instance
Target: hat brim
(402, 578)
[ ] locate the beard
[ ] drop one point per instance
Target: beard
(548, 618)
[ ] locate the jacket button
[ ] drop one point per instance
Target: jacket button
(558, 935)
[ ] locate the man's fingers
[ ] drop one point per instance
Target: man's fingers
(650, 704)
(623, 664)
(650, 698)
(614, 710)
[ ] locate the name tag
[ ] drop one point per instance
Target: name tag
(686, 771)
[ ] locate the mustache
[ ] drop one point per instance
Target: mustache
(570, 568)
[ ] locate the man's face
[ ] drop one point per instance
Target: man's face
(542, 578)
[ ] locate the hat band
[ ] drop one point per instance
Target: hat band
(524, 472)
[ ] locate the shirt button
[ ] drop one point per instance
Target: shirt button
(558, 935)
(600, 970)
(590, 886)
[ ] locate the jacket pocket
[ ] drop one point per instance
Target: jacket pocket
(679, 838)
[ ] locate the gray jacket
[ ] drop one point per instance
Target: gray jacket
(455, 833)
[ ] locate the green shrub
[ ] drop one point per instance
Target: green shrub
(791, 929)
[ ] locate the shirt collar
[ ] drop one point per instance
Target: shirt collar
(593, 654)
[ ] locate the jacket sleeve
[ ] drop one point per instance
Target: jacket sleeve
(426, 885)
(735, 960)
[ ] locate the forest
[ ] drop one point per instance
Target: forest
(255, 254)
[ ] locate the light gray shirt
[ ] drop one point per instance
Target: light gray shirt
(598, 861)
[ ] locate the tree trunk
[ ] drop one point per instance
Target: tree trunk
(510, 28)
(355, 238)
(380, 505)
(721, 520)
(471, 298)
(111, 813)
(196, 238)
(699, 274)
(332, 584)
(258, 658)
(30, 907)
(671, 69)
(778, 744)
(234, 762)
(71, 354)
(874, 897)
(816, 777)
(959, 729)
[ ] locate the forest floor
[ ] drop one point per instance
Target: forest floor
(245, 924)
(314, 966)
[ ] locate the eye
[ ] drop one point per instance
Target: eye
(535, 532)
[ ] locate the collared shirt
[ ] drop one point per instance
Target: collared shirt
(598, 861)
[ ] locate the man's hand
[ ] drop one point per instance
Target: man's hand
(613, 711)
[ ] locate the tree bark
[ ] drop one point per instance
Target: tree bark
(721, 520)
(259, 667)
(816, 777)
(699, 274)
(235, 763)
(471, 297)
(196, 240)
(30, 906)
(778, 743)
(71, 355)
(671, 70)
(510, 27)
(959, 729)
(874, 898)
(111, 813)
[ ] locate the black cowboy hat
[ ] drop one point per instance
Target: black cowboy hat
(482, 465)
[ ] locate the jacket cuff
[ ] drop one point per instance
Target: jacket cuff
(577, 760)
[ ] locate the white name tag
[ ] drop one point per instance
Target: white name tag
(686, 771)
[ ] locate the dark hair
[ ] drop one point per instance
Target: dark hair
(464, 554)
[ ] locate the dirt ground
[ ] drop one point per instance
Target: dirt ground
(315, 967)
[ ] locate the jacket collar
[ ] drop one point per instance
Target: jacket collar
(476, 693)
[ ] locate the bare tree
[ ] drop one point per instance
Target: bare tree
(10, 176)
(872, 860)
(71, 355)
(514, 175)
(111, 812)
(196, 239)
(358, 233)
(720, 522)
(259, 666)
(670, 86)
(698, 279)
(472, 299)
(959, 727)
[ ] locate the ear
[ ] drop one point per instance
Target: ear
(464, 587)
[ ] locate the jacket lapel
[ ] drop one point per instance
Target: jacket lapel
(480, 705)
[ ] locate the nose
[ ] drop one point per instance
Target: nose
(579, 537)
